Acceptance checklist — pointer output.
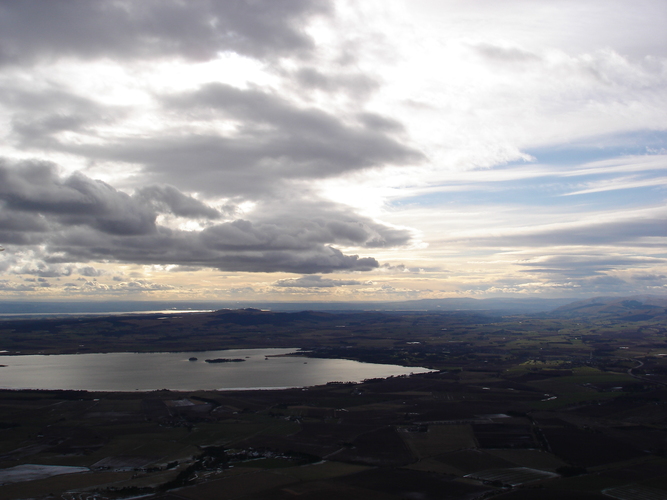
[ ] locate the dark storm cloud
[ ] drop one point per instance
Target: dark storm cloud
(36, 115)
(324, 222)
(237, 246)
(22, 222)
(314, 282)
(35, 188)
(301, 225)
(51, 98)
(170, 199)
(380, 123)
(301, 246)
(90, 271)
(197, 29)
(45, 270)
(37, 130)
(87, 220)
(269, 147)
(275, 141)
(34, 195)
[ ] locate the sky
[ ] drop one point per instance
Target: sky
(332, 150)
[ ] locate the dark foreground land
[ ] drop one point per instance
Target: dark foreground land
(571, 405)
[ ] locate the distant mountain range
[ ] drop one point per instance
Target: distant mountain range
(636, 308)
(508, 305)
(622, 308)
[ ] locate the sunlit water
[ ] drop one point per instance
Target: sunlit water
(174, 371)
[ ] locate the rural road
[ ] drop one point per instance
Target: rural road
(641, 363)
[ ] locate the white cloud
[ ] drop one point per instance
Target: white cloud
(314, 281)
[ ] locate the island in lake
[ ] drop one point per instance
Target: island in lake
(224, 360)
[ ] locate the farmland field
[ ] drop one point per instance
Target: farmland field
(583, 409)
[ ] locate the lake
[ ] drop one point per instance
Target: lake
(262, 369)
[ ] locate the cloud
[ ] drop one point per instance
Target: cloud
(274, 140)
(44, 270)
(197, 30)
(141, 286)
(650, 277)
(605, 281)
(90, 271)
(242, 146)
(234, 246)
(505, 54)
(323, 221)
(40, 111)
(21, 228)
(89, 220)
(582, 265)
(35, 188)
(8, 286)
(238, 136)
(241, 290)
(641, 228)
(356, 84)
(402, 268)
(314, 282)
(266, 144)
(92, 287)
(181, 269)
(170, 199)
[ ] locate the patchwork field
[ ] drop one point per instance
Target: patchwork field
(519, 408)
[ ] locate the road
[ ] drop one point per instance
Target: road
(641, 363)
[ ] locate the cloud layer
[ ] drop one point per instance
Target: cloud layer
(440, 148)
(196, 30)
(77, 219)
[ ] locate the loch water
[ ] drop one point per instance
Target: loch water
(261, 369)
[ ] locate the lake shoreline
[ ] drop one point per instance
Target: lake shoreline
(262, 369)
